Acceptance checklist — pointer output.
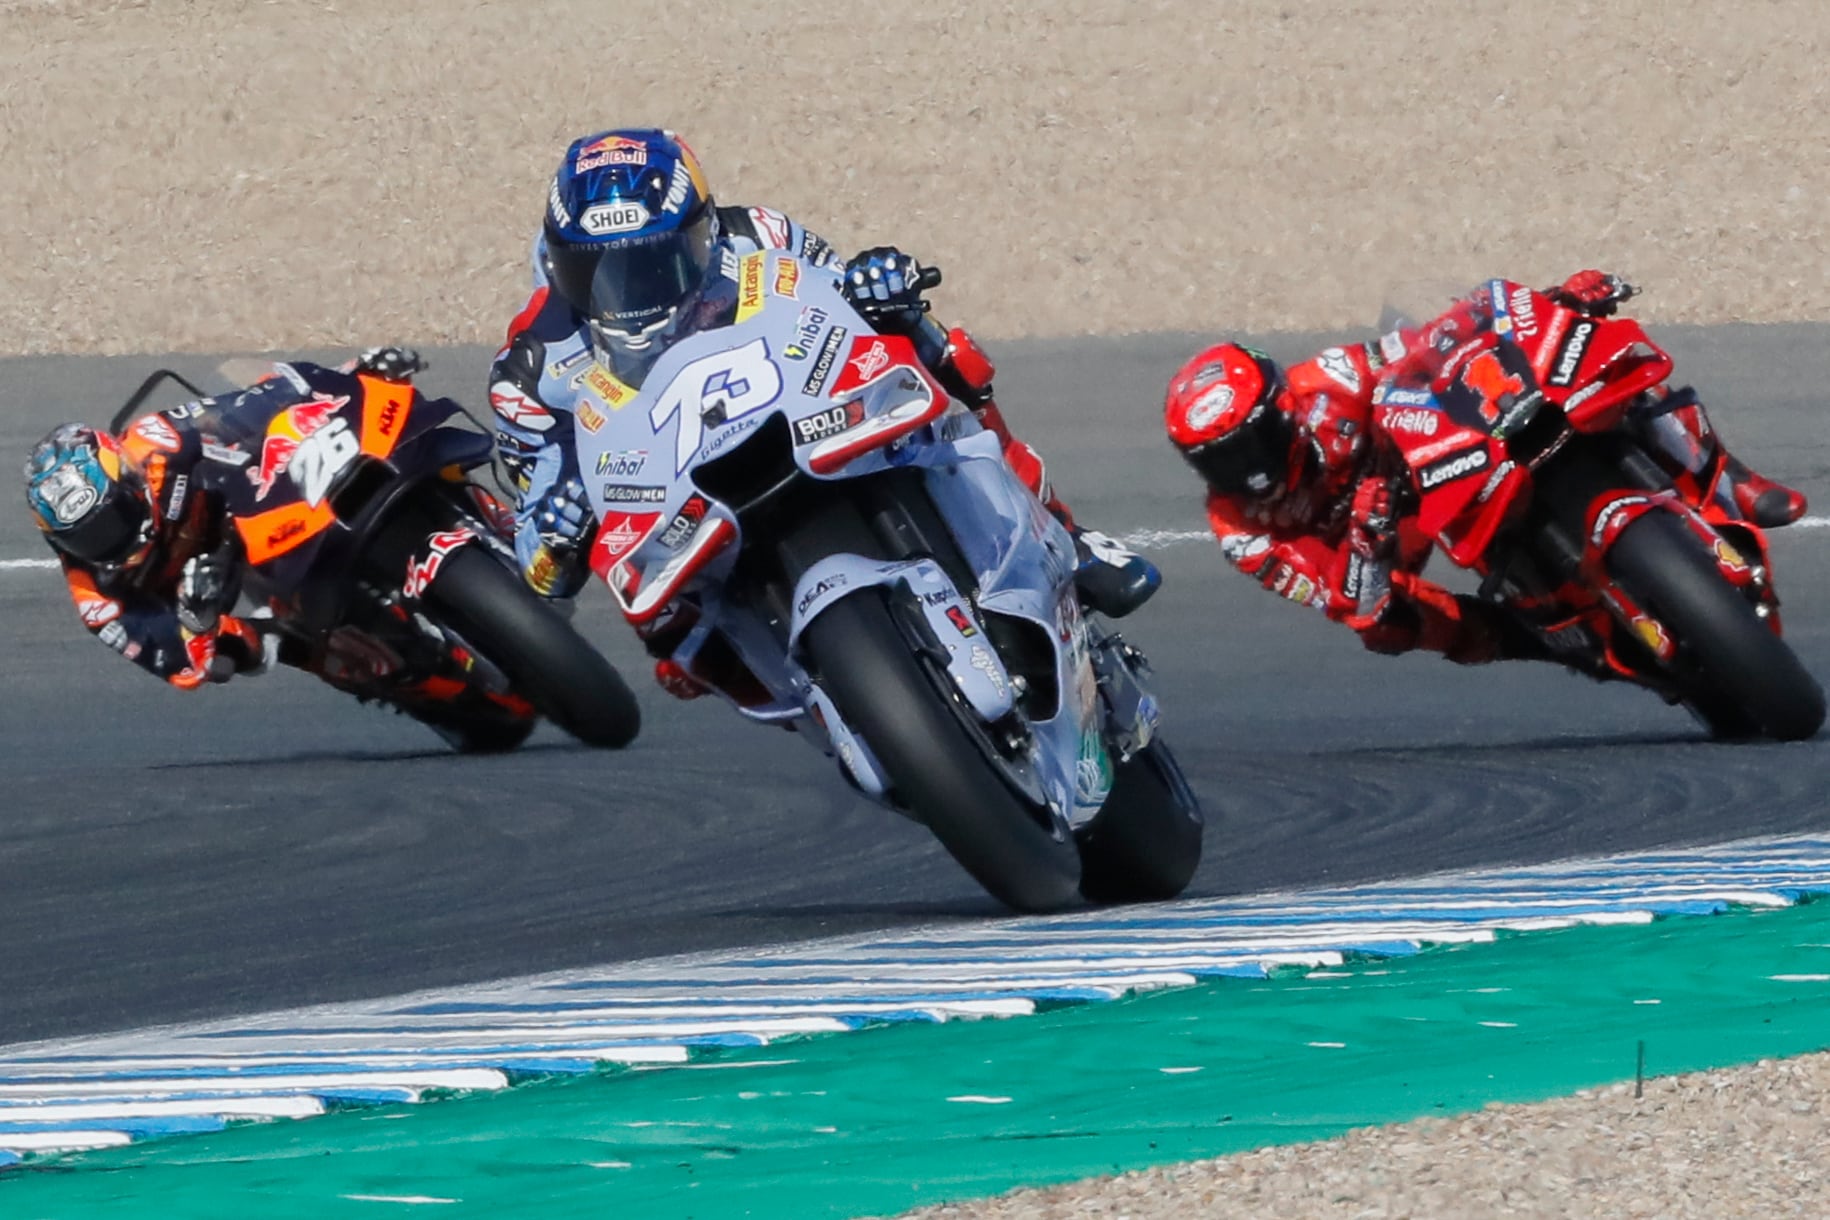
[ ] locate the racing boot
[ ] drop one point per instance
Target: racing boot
(1111, 579)
(1682, 436)
(1760, 500)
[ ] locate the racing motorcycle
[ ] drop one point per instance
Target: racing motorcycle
(1524, 456)
(792, 512)
(385, 567)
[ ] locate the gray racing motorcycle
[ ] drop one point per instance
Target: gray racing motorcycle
(793, 512)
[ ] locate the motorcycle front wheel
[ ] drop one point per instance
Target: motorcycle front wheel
(1020, 853)
(547, 662)
(1736, 671)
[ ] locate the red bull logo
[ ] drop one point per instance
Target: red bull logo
(284, 435)
(611, 150)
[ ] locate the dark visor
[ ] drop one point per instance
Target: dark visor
(637, 283)
(1252, 458)
(111, 530)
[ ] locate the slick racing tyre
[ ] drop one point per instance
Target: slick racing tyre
(546, 661)
(902, 708)
(1145, 843)
(1737, 672)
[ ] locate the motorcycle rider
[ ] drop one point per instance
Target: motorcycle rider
(1295, 503)
(151, 557)
(634, 254)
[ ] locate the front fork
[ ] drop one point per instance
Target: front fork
(1130, 711)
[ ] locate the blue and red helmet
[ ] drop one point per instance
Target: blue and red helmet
(87, 500)
(630, 232)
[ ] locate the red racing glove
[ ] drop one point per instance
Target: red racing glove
(1372, 527)
(1595, 293)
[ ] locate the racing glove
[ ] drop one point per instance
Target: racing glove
(885, 285)
(390, 363)
(1372, 528)
(564, 519)
(203, 590)
(1594, 293)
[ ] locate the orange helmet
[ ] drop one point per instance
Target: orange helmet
(1226, 413)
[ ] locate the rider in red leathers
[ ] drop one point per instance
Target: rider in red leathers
(1295, 504)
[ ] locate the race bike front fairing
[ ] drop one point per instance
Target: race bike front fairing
(1521, 428)
(792, 510)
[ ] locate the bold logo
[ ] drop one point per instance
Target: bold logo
(822, 365)
(156, 432)
(624, 216)
(1455, 466)
(284, 435)
(1569, 355)
(1335, 363)
(557, 206)
(678, 188)
(1417, 420)
(1486, 376)
(180, 486)
(632, 493)
(835, 581)
(787, 278)
(614, 393)
(98, 612)
(514, 405)
(962, 622)
(623, 463)
(1206, 410)
(590, 418)
(1524, 312)
(611, 150)
(685, 522)
(288, 530)
(830, 422)
(717, 389)
(750, 286)
(420, 572)
(870, 358)
(622, 533)
(771, 226)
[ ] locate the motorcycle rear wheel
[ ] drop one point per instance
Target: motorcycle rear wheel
(1145, 843)
(1740, 672)
(547, 662)
(1020, 853)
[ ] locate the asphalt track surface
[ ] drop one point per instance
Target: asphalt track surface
(168, 856)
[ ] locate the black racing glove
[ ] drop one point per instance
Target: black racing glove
(885, 285)
(204, 590)
(390, 363)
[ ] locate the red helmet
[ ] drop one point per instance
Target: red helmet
(1226, 412)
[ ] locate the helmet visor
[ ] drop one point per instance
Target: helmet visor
(641, 282)
(111, 532)
(1252, 458)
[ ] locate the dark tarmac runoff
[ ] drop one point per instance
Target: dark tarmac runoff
(167, 856)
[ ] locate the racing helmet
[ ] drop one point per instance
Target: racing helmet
(89, 502)
(1226, 412)
(631, 235)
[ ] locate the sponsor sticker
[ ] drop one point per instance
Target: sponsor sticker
(607, 387)
(622, 533)
(1568, 360)
(824, 362)
(633, 493)
(623, 216)
(787, 278)
(685, 522)
(611, 150)
(1454, 466)
(1206, 410)
(828, 423)
(1418, 421)
(622, 463)
(750, 286)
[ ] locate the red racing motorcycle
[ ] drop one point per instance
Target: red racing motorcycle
(1526, 457)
